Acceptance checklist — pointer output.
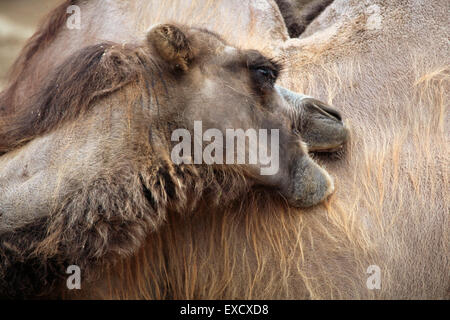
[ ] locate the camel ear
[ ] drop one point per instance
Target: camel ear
(171, 44)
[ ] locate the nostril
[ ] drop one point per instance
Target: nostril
(323, 109)
(333, 113)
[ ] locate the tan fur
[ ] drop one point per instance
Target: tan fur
(109, 111)
(172, 45)
(127, 22)
(391, 208)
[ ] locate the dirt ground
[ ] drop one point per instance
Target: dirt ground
(18, 21)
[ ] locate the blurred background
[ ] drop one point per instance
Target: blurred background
(18, 21)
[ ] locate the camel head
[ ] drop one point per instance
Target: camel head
(228, 96)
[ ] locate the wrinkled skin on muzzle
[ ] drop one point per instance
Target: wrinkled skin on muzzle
(320, 126)
(322, 130)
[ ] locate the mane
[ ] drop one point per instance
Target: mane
(90, 74)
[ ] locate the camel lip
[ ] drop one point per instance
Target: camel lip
(327, 149)
(310, 184)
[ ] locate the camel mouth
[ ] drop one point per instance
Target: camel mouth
(311, 184)
(327, 149)
(332, 138)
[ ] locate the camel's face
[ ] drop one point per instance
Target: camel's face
(226, 91)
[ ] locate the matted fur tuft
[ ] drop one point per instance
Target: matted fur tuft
(90, 74)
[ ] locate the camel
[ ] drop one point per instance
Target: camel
(127, 21)
(150, 90)
(380, 63)
(386, 65)
(41, 54)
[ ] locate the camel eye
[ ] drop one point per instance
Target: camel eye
(266, 72)
(263, 71)
(265, 75)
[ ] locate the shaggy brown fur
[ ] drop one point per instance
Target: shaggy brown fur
(96, 221)
(62, 101)
(391, 206)
(33, 257)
